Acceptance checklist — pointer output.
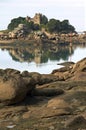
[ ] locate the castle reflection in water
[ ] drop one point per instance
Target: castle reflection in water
(41, 54)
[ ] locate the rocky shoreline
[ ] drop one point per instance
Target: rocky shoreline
(41, 36)
(33, 101)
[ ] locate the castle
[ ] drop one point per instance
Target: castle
(36, 19)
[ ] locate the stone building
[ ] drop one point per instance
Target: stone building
(36, 19)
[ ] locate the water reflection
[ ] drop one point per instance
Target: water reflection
(42, 54)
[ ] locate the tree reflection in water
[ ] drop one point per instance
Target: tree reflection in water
(41, 54)
(46, 53)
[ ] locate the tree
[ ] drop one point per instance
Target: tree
(20, 20)
(71, 28)
(44, 20)
(53, 25)
(15, 22)
(66, 27)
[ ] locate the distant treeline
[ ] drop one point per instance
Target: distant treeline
(52, 25)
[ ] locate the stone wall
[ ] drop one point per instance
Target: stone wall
(36, 19)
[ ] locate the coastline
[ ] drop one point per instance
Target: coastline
(13, 41)
(62, 39)
(7, 41)
(55, 100)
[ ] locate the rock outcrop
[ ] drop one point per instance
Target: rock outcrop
(19, 32)
(75, 72)
(55, 101)
(13, 88)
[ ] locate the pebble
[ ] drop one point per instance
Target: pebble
(10, 126)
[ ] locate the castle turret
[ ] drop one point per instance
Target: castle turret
(36, 19)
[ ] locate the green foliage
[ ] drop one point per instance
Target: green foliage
(52, 26)
(20, 20)
(56, 26)
(30, 25)
(15, 22)
(66, 27)
(44, 20)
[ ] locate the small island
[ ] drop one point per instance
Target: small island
(40, 29)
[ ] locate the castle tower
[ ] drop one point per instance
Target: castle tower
(37, 18)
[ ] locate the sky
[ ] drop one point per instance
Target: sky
(73, 10)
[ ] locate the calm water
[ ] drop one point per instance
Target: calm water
(39, 59)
